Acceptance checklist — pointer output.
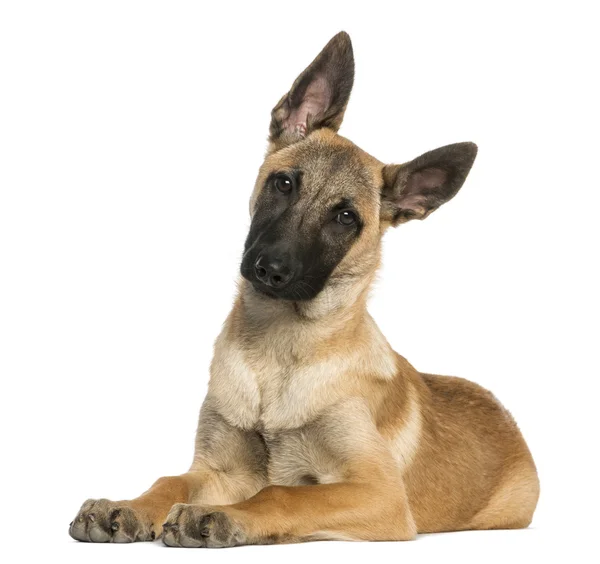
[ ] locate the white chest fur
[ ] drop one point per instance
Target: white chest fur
(270, 395)
(262, 391)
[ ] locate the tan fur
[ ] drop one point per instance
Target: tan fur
(314, 428)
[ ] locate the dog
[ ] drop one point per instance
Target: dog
(313, 428)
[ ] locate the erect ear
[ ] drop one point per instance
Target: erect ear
(414, 189)
(318, 97)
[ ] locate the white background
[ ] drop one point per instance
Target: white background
(130, 136)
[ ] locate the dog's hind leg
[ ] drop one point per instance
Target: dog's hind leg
(513, 503)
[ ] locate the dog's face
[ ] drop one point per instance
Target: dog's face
(321, 204)
(315, 201)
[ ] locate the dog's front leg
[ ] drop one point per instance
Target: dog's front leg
(139, 519)
(363, 499)
(279, 514)
(228, 467)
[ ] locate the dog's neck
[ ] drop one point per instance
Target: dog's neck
(269, 349)
(341, 302)
(335, 323)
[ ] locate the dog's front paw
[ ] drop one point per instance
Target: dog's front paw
(101, 520)
(194, 526)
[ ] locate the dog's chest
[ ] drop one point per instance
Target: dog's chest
(266, 394)
(299, 457)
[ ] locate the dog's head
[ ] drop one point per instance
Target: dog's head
(321, 204)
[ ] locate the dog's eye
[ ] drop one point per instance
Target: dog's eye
(346, 218)
(284, 184)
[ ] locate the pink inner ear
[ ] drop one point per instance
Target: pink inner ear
(315, 101)
(426, 179)
(418, 186)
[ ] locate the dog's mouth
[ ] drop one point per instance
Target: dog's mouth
(265, 291)
(292, 293)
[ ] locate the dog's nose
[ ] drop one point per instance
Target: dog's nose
(272, 271)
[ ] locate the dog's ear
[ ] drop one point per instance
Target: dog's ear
(414, 189)
(318, 97)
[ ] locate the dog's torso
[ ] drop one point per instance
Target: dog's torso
(332, 402)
